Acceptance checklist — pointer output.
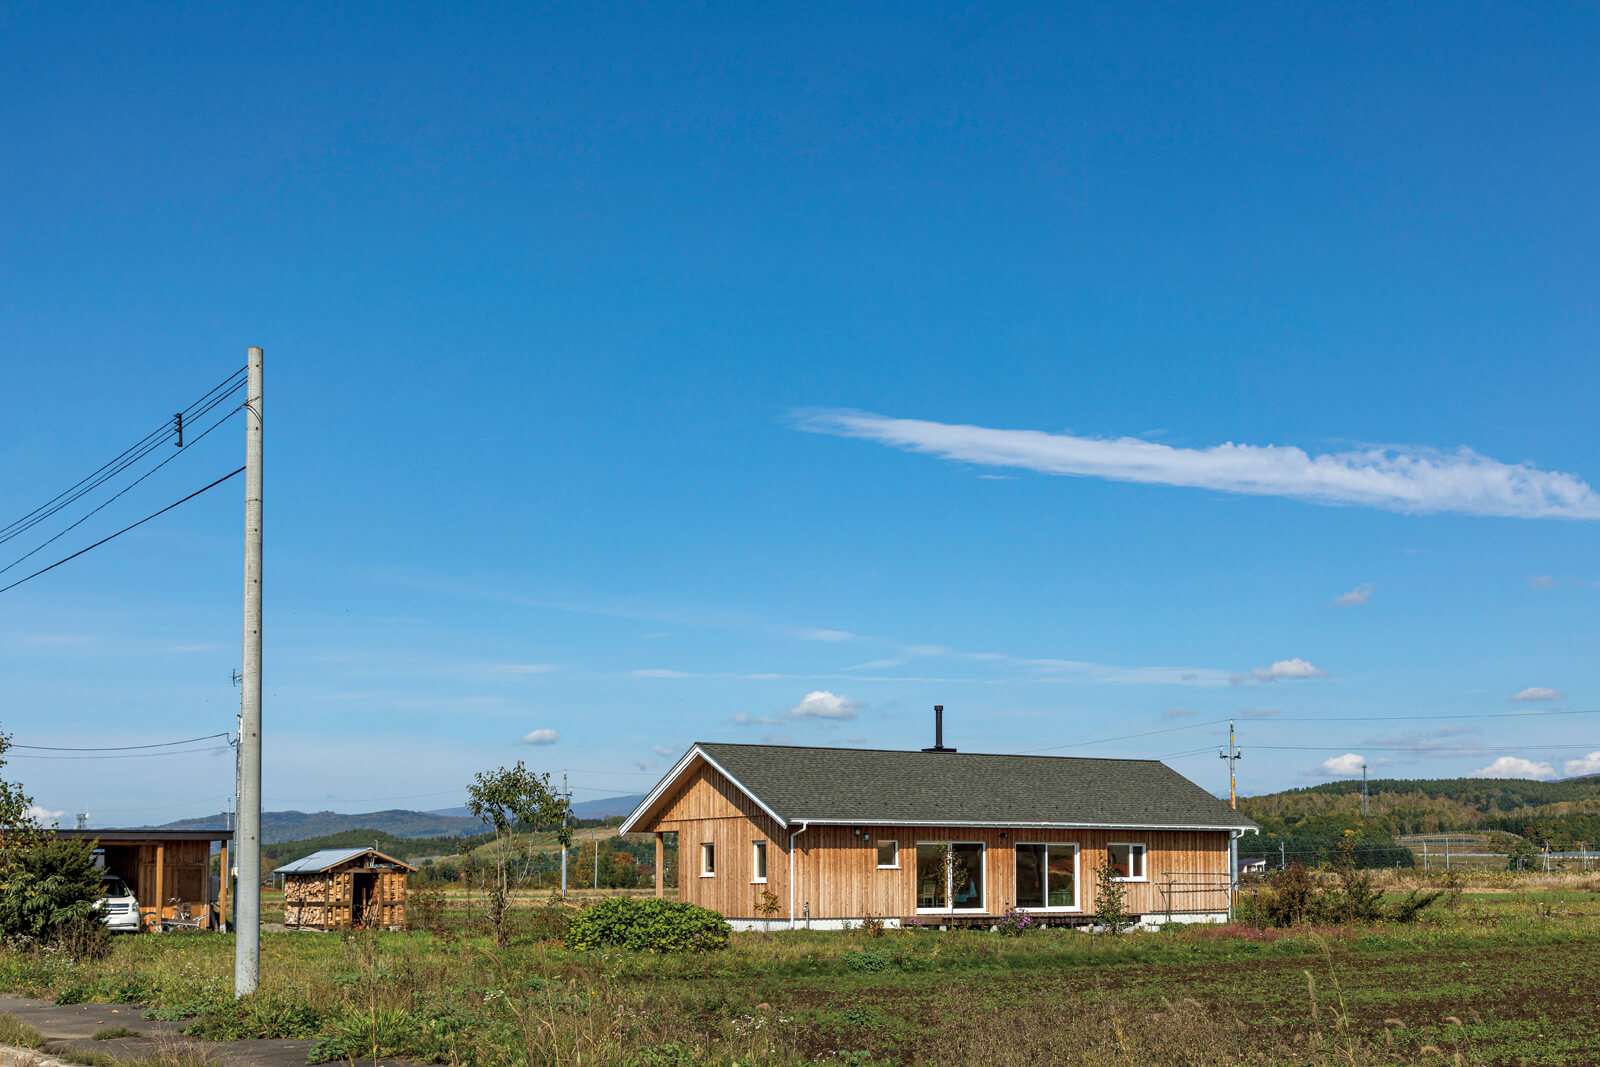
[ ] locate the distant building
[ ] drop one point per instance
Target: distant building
(345, 889)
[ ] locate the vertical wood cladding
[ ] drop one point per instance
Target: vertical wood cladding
(836, 869)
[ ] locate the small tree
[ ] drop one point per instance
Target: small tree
(507, 799)
(1111, 899)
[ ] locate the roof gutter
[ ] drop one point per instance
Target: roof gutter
(797, 833)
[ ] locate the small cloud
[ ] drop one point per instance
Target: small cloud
(1346, 766)
(810, 633)
(1177, 713)
(744, 718)
(540, 737)
(1541, 581)
(1514, 767)
(666, 751)
(1286, 669)
(42, 815)
(1259, 713)
(1536, 692)
(661, 672)
(644, 764)
(526, 668)
(1579, 768)
(997, 477)
(824, 705)
(1355, 597)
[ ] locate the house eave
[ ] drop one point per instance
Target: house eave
(671, 779)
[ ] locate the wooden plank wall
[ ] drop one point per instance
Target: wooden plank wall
(186, 874)
(836, 871)
(324, 901)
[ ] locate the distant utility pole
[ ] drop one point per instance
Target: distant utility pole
(247, 840)
(1232, 755)
(568, 794)
(1363, 789)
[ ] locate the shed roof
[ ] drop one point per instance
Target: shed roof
(333, 857)
(885, 787)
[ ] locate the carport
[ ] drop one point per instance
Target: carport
(168, 870)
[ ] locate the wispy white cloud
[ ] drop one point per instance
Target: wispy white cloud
(823, 704)
(1577, 768)
(1419, 480)
(1542, 581)
(1259, 713)
(1536, 693)
(1514, 767)
(810, 633)
(744, 718)
(661, 672)
(1346, 766)
(644, 764)
(42, 815)
(1355, 597)
(525, 668)
(1284, 669)
(543, 736)
(667, 751)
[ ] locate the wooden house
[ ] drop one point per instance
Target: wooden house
(343, 889)
(168, 872)
(825, 837)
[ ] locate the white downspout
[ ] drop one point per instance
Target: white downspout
(1233, 866)
(797, 833)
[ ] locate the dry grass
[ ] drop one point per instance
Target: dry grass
(18, 1034)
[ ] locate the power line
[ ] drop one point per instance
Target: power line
(129, 755)
(125, 489)
(1124, 737)
(121, 463)
(120, 748)
(120, 532)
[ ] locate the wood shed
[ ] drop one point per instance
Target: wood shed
(345, 888)
(168, 871)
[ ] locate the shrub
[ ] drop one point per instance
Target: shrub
(54, 887)
(866, 961)
(651, 925)
(1014, 923)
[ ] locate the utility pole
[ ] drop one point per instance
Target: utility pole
(1232, 755)
(568, 794)
(1283, 856)
(247, 841)
(1363, 789)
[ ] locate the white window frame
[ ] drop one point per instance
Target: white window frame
(708, 859)
(758, 860)
(895, 866)
(983, 867)
(1077, 875)
(1144, 859)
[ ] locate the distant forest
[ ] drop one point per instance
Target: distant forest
(1309, 823)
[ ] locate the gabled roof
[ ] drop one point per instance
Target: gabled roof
(334, 857)
(797, 785)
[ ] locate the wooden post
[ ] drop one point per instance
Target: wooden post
(222, 910)
(661, 863)
(161, 882)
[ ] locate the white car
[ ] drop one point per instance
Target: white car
(118, 908)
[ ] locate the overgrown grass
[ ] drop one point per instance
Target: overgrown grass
(1485, 986)
(18, 1034)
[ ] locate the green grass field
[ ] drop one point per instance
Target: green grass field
(1500, 978)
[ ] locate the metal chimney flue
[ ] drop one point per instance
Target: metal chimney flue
(938, 731)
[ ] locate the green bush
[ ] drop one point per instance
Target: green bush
(650, 925)
(53, 889)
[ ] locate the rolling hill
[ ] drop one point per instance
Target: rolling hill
(279, 826)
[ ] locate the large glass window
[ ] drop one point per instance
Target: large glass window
(1127, 862)
(1047, 875)
(949, 876)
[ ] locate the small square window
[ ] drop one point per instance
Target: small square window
(888, 853)
(759, 862)
(708, 859)
(1127, 862)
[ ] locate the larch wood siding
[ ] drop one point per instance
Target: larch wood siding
(325, 900)
(836, 870)
(185, 875)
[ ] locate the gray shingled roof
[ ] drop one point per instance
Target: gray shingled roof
(888, 786)
(331, 857)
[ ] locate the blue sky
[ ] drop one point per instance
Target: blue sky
(734, 372)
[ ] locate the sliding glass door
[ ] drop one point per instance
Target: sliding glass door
(949, 876)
